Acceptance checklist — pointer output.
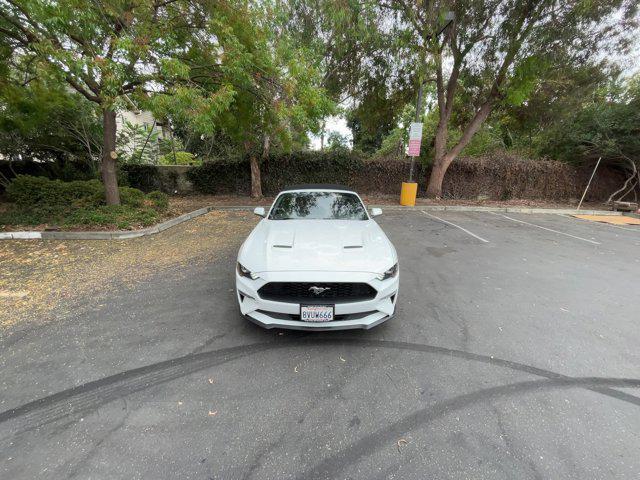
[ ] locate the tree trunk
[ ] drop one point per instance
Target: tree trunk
(434, 187)
(108, 167)
(256, 182)
(441, 162)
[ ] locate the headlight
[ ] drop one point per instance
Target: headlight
(392, 272)
(245, 272)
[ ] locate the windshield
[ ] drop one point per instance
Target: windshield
(318, 206)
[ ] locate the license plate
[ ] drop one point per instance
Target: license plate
(316, 313)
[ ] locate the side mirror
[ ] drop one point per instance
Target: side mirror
(376, 212)
(259, 211)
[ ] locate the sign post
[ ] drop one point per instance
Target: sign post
(410, 189)
(415, 137)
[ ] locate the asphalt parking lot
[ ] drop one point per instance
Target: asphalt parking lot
(514, 354)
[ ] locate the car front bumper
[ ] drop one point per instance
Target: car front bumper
(356, 315)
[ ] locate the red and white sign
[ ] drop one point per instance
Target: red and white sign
(415, 137)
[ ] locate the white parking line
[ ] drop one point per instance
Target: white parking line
(545, 228)
(457, 226)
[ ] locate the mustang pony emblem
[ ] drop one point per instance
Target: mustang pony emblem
(318, 290)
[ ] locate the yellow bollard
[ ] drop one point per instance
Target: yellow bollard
(408, 194)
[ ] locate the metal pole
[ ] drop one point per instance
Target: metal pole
(585, 190)
(417, 119)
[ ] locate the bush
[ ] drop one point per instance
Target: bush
(222, 176)
(38, 200)
(121, 216)
(159, 200)
(233, 176)
(142, 177)
(181, 158)
(25, 190)
(131, 196)
(61, 169)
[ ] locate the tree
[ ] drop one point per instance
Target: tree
(365, 67)
(41, 119)
(109, 50)
(499, 49)
(278, 96)
(606, 127)
(337, 141)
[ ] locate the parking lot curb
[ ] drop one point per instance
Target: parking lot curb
(107, 235)
(128, 234)
(471, 208)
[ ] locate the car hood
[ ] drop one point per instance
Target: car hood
(317, 245)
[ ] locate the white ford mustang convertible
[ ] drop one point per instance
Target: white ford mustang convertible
(317, 261)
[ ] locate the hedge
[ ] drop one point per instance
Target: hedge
(233, 176)
(38, 200)
(29, 191)
(499, 176)
(66, 170)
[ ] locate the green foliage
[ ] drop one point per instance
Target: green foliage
(38, 200)
(159, 200)
(137, 144)
(524, 79)
(278, 170)
(119, 216)
(131, 196)
(142, 177)
(30, 191)
(44, 120)
(337, 141)
(170, 145)
(179, 158)
(606, 127)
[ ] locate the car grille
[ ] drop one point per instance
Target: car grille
(302, 292)
(293, 316)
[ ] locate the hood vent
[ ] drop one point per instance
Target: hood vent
(352, 246)
(282, 246)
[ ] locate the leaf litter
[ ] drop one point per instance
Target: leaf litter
(45, 279)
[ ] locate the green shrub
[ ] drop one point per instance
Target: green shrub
(25, 190)
(159, 200)
(181, 158)
(278, 170)
(131, 196)
(120, 216)
(142, 177)
(38, 200)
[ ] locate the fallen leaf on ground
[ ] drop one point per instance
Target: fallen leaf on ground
(400, 443)
(10, 294)
(213, 413)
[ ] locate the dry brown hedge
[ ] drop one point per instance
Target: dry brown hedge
(498, 177)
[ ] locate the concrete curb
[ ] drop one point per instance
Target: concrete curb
(123, 235)
(108, 235)
(471, 208)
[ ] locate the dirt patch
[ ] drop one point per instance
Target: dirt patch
(39, 276)
(185, 204)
